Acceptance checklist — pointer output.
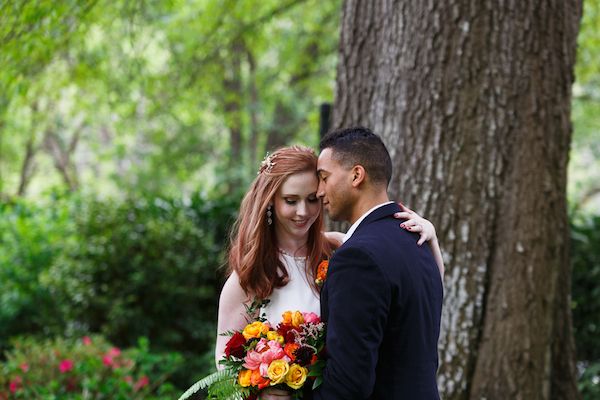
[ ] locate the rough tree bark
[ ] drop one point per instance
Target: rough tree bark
(473, 100)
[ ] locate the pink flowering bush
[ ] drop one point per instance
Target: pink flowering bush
(88, 367)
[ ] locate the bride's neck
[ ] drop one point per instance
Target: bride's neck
(292, 246)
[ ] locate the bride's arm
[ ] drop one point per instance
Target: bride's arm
(232, 316)
(232, 313)
(334, 238)
(415, 223)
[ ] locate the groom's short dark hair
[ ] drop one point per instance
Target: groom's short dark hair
(360, 146)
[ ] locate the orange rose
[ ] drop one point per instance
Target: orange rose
(289, 350)
(287, 318)
(322, 272)
(258, 380)
(255, 329)
(244, 378)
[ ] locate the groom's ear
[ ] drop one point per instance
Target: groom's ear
(358, 175)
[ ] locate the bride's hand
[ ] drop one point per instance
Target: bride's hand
(415, 223)
(274, 394)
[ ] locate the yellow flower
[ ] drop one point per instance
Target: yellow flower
(297, 319)
(244, 377)
(273, 335)
(277, 371)
(296, 376)
(255, 329)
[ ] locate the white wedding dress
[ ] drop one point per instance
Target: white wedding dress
(297, 295)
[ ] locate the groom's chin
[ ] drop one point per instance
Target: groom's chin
(333, 217)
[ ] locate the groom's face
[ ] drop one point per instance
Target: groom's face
(335, 186)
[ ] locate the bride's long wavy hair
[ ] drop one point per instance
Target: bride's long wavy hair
(253, 252)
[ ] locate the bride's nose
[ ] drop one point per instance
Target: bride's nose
(301, 210)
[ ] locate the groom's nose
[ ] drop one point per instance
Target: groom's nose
(321, 190)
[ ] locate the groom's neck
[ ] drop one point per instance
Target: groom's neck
(367, 201)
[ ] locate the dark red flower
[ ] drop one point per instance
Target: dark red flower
(304, 355)
(288, 332)
(235, 346)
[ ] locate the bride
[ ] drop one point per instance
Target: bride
(278, 243)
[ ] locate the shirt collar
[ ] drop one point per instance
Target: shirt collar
(358, 221)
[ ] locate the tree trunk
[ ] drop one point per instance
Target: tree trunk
(234, 93)
(253, 110)
(27, 167)
(62, 155)
(473, 102)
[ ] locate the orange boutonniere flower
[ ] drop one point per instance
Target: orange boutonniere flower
(322, 272)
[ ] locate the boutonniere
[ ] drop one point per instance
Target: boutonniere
(322, 272)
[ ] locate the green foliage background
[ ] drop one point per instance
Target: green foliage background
(129, 130)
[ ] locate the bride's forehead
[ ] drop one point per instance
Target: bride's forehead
(300, 183)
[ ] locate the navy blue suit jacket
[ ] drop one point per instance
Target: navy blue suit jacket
(382, 302)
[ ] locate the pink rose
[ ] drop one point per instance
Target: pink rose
(86, 340)
(274, 344)
(264, 370)
(65, 366)
(260, 346)
(311, 317)
(252, 360)
(24, 367)
(272, 354)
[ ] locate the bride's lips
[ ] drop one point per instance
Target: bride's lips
(301, 224)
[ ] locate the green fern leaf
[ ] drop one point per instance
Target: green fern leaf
(220, 384)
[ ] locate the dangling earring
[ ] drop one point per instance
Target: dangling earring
(269, 214)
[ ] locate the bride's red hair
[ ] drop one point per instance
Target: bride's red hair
(253, 252)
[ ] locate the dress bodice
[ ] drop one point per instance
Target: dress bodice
(297, 295)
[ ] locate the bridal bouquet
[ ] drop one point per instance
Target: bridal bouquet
(287, 357)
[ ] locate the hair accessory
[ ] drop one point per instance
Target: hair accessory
(269, 214)
(266, 164)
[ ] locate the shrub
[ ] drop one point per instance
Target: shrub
(31, 237)
(585, 255)
(125, 269)
(86, 368)
(589, 380)
(144, 267)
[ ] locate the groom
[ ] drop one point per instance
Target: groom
(382, 298)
